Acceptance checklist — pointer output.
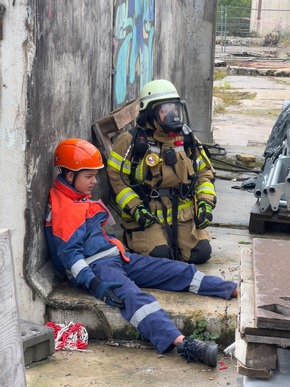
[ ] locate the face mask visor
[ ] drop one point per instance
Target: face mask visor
(169, 115)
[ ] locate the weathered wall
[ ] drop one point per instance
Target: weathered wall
(69, 88)
(132, 48)
(184, 53)
(175, 42)
(16, 54)
(270, 15)
(63, 66)
(11, 355)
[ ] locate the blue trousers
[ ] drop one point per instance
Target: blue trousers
(141, 309)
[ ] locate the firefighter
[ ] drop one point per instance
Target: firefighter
(163, 180)
(80, 248)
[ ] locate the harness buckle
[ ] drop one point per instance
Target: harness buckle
(154, 194)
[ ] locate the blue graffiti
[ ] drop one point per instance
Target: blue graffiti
(133, 45)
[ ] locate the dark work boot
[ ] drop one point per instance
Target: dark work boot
(194, 350)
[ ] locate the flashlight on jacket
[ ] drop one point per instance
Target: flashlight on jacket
(152, 160)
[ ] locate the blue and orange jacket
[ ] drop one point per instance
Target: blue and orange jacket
(74, 231)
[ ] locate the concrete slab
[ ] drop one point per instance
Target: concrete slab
(248, 83)
(233, 206)
(227, 245)
(247, 322)
(231, 129)
(271, 276)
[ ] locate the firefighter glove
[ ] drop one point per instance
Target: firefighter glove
(104, 291)
(204, 214)
(143, 216)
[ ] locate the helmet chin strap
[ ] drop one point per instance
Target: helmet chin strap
(75, 177)
(64, 171)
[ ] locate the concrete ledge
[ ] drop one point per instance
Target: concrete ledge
(185, 309)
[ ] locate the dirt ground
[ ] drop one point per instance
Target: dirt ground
(110, 365)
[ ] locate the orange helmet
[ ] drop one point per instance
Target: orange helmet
(76, 154)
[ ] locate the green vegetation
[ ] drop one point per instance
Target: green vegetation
(135, 334)
(236, 14)
(285, 81)
(285, 39)
(229, 97)
(257, 112)
(200, 333)
(219, 75)
(237, 8)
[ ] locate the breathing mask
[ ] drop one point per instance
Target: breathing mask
(169, 115)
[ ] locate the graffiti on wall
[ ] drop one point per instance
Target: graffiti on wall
(132, 47)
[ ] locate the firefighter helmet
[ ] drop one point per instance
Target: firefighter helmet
(76, 154)
(156, 91)
(160, 102)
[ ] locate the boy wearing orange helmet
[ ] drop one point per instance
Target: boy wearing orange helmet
(98, 262)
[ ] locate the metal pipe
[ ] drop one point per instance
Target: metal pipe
(259, 16)
(274, 174)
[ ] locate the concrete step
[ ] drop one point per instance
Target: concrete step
(185, 309)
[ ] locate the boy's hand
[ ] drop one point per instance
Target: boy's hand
(104, 291)
(204, 214)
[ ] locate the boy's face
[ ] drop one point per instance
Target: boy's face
(86, 180)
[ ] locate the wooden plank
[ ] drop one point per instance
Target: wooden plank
(104, 140)
(119, 118)
(261, 221)
(11, 352)
(108, 124)
(254, 373)
(255, 355)
(115, 123)
(274, 340)
(266, 332)
(246, 316)
(127, 114)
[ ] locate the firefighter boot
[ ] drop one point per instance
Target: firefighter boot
(194, 350)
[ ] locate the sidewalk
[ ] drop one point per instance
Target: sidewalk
(137, 363)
